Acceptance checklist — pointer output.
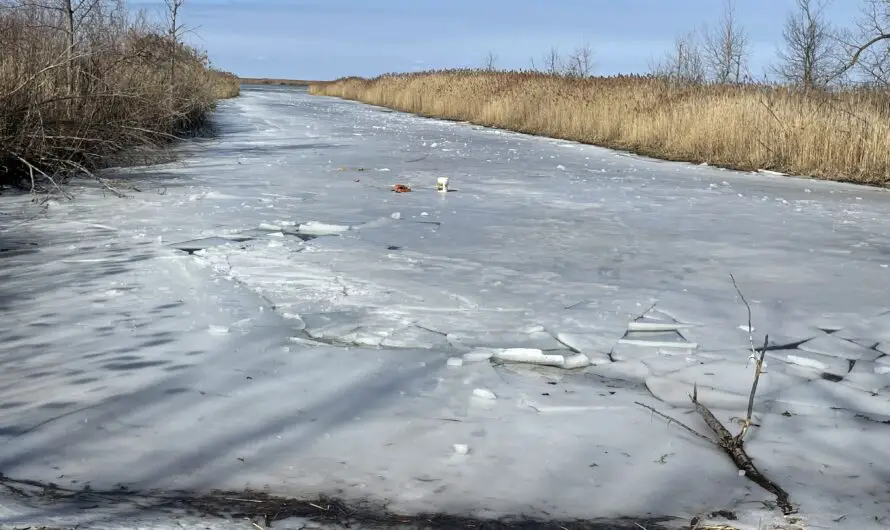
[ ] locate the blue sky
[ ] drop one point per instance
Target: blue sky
(326, 39)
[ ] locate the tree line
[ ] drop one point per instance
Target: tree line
(814, 52)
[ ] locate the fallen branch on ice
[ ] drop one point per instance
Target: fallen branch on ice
(734, 446)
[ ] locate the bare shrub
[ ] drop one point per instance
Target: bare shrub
(82, 80)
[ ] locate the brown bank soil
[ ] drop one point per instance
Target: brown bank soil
(263, 510)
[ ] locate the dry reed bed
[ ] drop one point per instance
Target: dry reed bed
(837, 136)
(126, 84)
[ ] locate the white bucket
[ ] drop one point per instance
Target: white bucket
(442, 184)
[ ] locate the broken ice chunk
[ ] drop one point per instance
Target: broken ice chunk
(579, 360)
(505, 339)
(321, 229)
(454, 362)
(657, 326)
(528, 355)
(586, 342)
(461, 449)
(824, 363)
(484, 393)
(837, 347)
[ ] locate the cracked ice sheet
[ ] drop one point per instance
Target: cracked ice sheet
(102, 377)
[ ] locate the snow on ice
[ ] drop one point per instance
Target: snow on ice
(267, 322)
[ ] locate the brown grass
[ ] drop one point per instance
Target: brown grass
(125, 84)
(838, 136)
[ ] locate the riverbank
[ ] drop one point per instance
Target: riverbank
(842, 136)
(71, 99)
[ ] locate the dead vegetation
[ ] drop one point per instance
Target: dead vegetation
(842, 135)
(83, 80)
(829, 118)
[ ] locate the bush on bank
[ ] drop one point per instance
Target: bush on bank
(69, 99)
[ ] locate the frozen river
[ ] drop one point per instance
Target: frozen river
(266, 313)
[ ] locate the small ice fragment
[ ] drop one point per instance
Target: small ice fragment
(741, 472)
(806, 362)
(461, 449)
(579, 360)
(484, 393)
(423, 214)
(454, 362)
(744, 327)
(561, 167)
(396, 215)
(217, 329)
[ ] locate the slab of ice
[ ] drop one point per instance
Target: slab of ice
(875, 329)
(317, 228)
(334, 325)
(528, 355)
(868, 377)
(414, 337)
(589, 343)
(579, 360)
(819, 396)
(652, 326)
(506, 339)
(822, 363)
(677, 393)
(834, 346)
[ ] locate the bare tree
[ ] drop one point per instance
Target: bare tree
(726, 48)
(553, 62)
(873, 28)
(490, 61)
(810, 55)
(174, 30)
(72, 15)
(580, 61)
(685, 64)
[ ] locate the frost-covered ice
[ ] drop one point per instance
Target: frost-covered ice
(257, 317)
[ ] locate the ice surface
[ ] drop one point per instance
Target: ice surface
(834, 346)
(333, 375)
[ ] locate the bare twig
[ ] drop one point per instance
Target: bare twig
(758, 369)
(32, 168)
(678, 422)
